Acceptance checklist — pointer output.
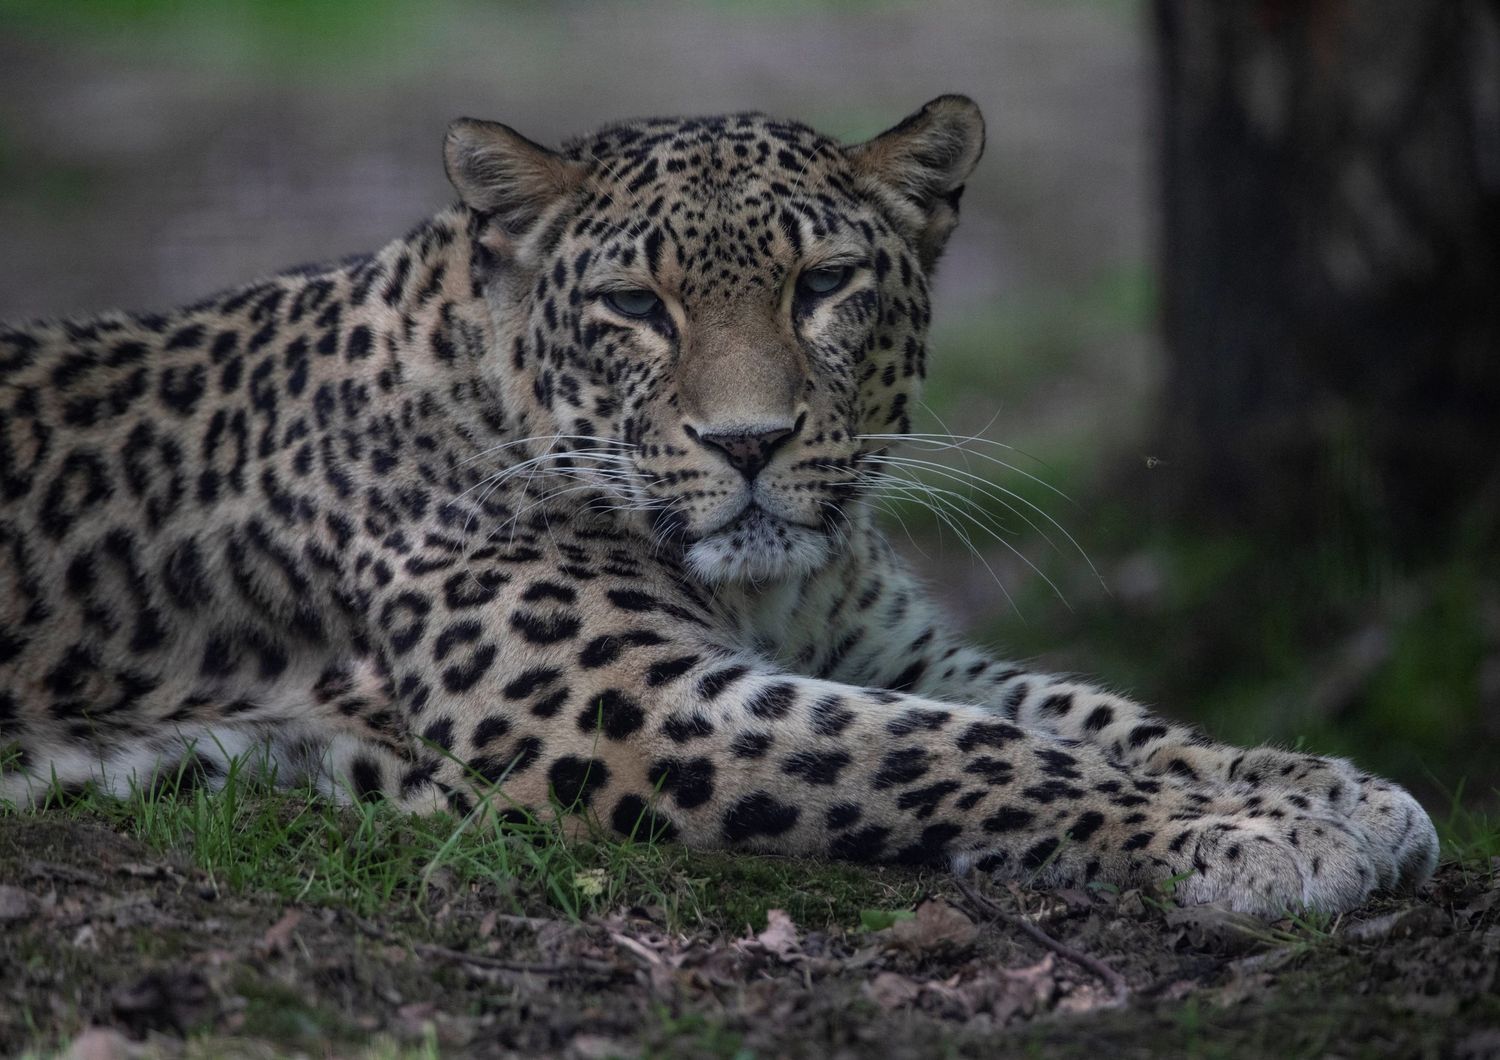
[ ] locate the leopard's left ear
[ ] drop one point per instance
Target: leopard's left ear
(504, 177)
(920, 167)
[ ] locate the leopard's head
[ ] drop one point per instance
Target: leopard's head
(714, 315)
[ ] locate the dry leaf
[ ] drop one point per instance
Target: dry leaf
(1006, 992)
(780, 936)
(1131, 904)
(1486, 902)
(1075, 898)
(416, 1013)
(278, 936)
(100, 1043)
(1087, 997)
(951, 998)
(889, 990)
(1417, 920)
(1243, 986)
(1219, 929)
(1000, 992)
(16, 904)
(936, 926)
(597, 1047)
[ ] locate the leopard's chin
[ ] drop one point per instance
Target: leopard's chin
(758, 547)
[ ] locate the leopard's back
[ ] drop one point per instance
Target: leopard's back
(169, 486)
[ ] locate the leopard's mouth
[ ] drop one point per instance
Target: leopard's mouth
(750, 523)
(754, 518)
(757, 545)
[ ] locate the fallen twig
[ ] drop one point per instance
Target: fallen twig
(579, 967)
(535, 922)
(982, 905)
(48, 871)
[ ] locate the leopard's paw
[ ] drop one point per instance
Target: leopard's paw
(1396, 826)
(1270, 866)
(1398, 833)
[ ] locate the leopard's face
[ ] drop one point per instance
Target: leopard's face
(714, 318)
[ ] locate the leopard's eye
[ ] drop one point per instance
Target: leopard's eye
(633, 302)
(823, 281)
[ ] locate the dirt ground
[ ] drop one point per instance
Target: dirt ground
(96, 931)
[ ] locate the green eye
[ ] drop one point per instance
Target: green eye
(633, 302)
(823, 281)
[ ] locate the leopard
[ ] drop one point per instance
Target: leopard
(557, 509)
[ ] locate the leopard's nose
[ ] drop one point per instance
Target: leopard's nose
(747, 448)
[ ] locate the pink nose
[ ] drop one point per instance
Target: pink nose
(747, 450)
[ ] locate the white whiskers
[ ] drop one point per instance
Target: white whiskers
(953, 496)
(605, 465)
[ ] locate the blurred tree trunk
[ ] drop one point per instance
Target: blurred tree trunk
(1332, 267)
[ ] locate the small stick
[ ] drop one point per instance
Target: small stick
(1113, 979)
(428, 949)
(47, 871)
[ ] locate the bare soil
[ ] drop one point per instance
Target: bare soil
(96, 931)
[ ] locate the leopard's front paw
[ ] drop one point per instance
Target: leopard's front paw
(1273, 865)
(1397, 831)
(1397, 827)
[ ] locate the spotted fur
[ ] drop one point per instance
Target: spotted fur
(550, 506)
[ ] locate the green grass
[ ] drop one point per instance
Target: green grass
(1470, 835)
(372, 859)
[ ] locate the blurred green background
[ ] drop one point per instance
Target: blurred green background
(152, 151)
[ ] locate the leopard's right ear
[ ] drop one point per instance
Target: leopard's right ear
(506, 177)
